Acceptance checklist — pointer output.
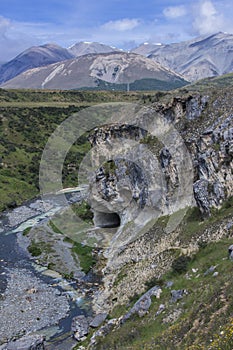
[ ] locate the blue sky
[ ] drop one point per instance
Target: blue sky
(121, 23)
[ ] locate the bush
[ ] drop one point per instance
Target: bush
(180, 265)
(34, 250)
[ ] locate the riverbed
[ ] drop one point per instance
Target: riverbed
(34, 299)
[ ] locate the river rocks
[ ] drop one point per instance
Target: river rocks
(80, 327)
(28, 305)
(29, 342)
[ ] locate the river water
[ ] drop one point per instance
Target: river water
(13, 256)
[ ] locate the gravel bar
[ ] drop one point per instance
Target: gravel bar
(28, 305)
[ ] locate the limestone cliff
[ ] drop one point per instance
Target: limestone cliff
(172, 155)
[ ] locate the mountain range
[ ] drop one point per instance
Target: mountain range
(97, 71)
(194, 59)
(98, 66)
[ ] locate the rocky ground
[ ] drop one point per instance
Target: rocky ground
(28, 305)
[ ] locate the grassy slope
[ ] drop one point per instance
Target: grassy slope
(27, 119)
(202, 319)
(139, 85)
(212, 83)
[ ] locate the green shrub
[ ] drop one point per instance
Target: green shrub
(180, 265)
(34, 250)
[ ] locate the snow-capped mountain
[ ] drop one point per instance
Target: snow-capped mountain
(86, 47)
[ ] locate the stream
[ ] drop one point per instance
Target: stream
(54, 322)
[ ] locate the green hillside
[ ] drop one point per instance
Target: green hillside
(27, 119)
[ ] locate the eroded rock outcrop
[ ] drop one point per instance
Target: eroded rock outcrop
(175, 154)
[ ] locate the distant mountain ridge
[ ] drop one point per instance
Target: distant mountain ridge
(89, 71)
(33, 57)
(86, 47)
(203, 57)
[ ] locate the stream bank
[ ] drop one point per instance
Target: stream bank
(36, 300)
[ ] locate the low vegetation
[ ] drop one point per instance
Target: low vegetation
(202, 319)
(27, 119)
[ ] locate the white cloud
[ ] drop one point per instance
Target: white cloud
(208, 20)
(174, 11)
(122, 24)
(13, 40)
(4, 25)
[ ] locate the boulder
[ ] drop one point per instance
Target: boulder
(98, 320)
(80, 327)
(177, 295)
(230, 252)
(142, 306)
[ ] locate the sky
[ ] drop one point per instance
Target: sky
(120, 23)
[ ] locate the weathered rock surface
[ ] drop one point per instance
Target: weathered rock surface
(30, 342)
(142, 306)
(205, 124)
(80, 327)
(98, 320)
(177, 295)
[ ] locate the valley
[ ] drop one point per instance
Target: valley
(150, 225)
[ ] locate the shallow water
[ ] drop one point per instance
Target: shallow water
(12, 256)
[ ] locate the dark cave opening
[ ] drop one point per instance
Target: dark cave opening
(106, 220)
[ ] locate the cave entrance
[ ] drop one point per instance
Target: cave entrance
(106, 220)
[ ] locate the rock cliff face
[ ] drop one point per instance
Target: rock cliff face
(175, 154)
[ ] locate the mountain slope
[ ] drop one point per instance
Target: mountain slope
(86, 47)
(88, 71)
(199, 58)
(35, 56)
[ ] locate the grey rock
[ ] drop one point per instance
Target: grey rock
(165, 157)
(230, 252)
(30, 342)
(98, 319)
(142, 306)
(80, 327)
(84, 48)
(169, 284)
(177, 295)
(160, 310)
(210, 270)
(194, 107)
(200, 189)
